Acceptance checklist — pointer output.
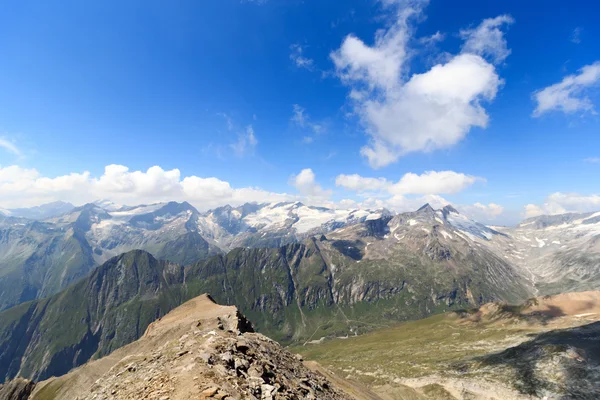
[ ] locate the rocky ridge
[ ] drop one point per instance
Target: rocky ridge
(199, 350)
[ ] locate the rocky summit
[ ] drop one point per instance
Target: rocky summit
(199, 350)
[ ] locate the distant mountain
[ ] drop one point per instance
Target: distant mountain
(108, 205)
(275, 224)
(39, 258)
(40, 212)
(560, 252)
(357, 277)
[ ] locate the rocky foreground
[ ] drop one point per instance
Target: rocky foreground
(199, 350)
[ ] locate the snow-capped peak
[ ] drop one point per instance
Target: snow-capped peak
(107, 205)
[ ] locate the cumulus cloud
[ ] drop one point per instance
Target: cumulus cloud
(487, 39)
(433, 182)
(423, 112)
(299, 59)
(412, 191)
(9, 146)
(14, 173)
(570, 94)
(361, 184)
(305, 182)
(559, 203)
(482, 212)
(428, 183)
(21, 187)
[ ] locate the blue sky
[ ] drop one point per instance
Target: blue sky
(247, 100)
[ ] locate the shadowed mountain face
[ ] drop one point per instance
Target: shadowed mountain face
(109, 308)
(37, 259)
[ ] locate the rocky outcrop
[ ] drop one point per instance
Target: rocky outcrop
(200, 350)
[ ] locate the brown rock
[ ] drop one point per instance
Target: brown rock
(211, 391)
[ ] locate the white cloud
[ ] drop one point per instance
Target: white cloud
(378, 66)
(298, 116)
(246, 143)
(482, 212)
(117, 179)
(422, 112)
(487, 40)
(297, 56)
(569, 95)
(531, 210)
(307, 185)
(412, 191)
(433, 39)
(361, 184)
(22, 187)
(433, 182)
(428, 183)
(303, 120)
(593, 160)
(10, 146)
(559, 203)
(14, 173)
(576, 35)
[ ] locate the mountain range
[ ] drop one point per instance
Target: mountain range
(40, 257)
(39, 212)
(344, 282)
(300, 273)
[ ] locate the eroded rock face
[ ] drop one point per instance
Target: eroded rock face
(17, 389)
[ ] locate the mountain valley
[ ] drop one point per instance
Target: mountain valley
(546, 348)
